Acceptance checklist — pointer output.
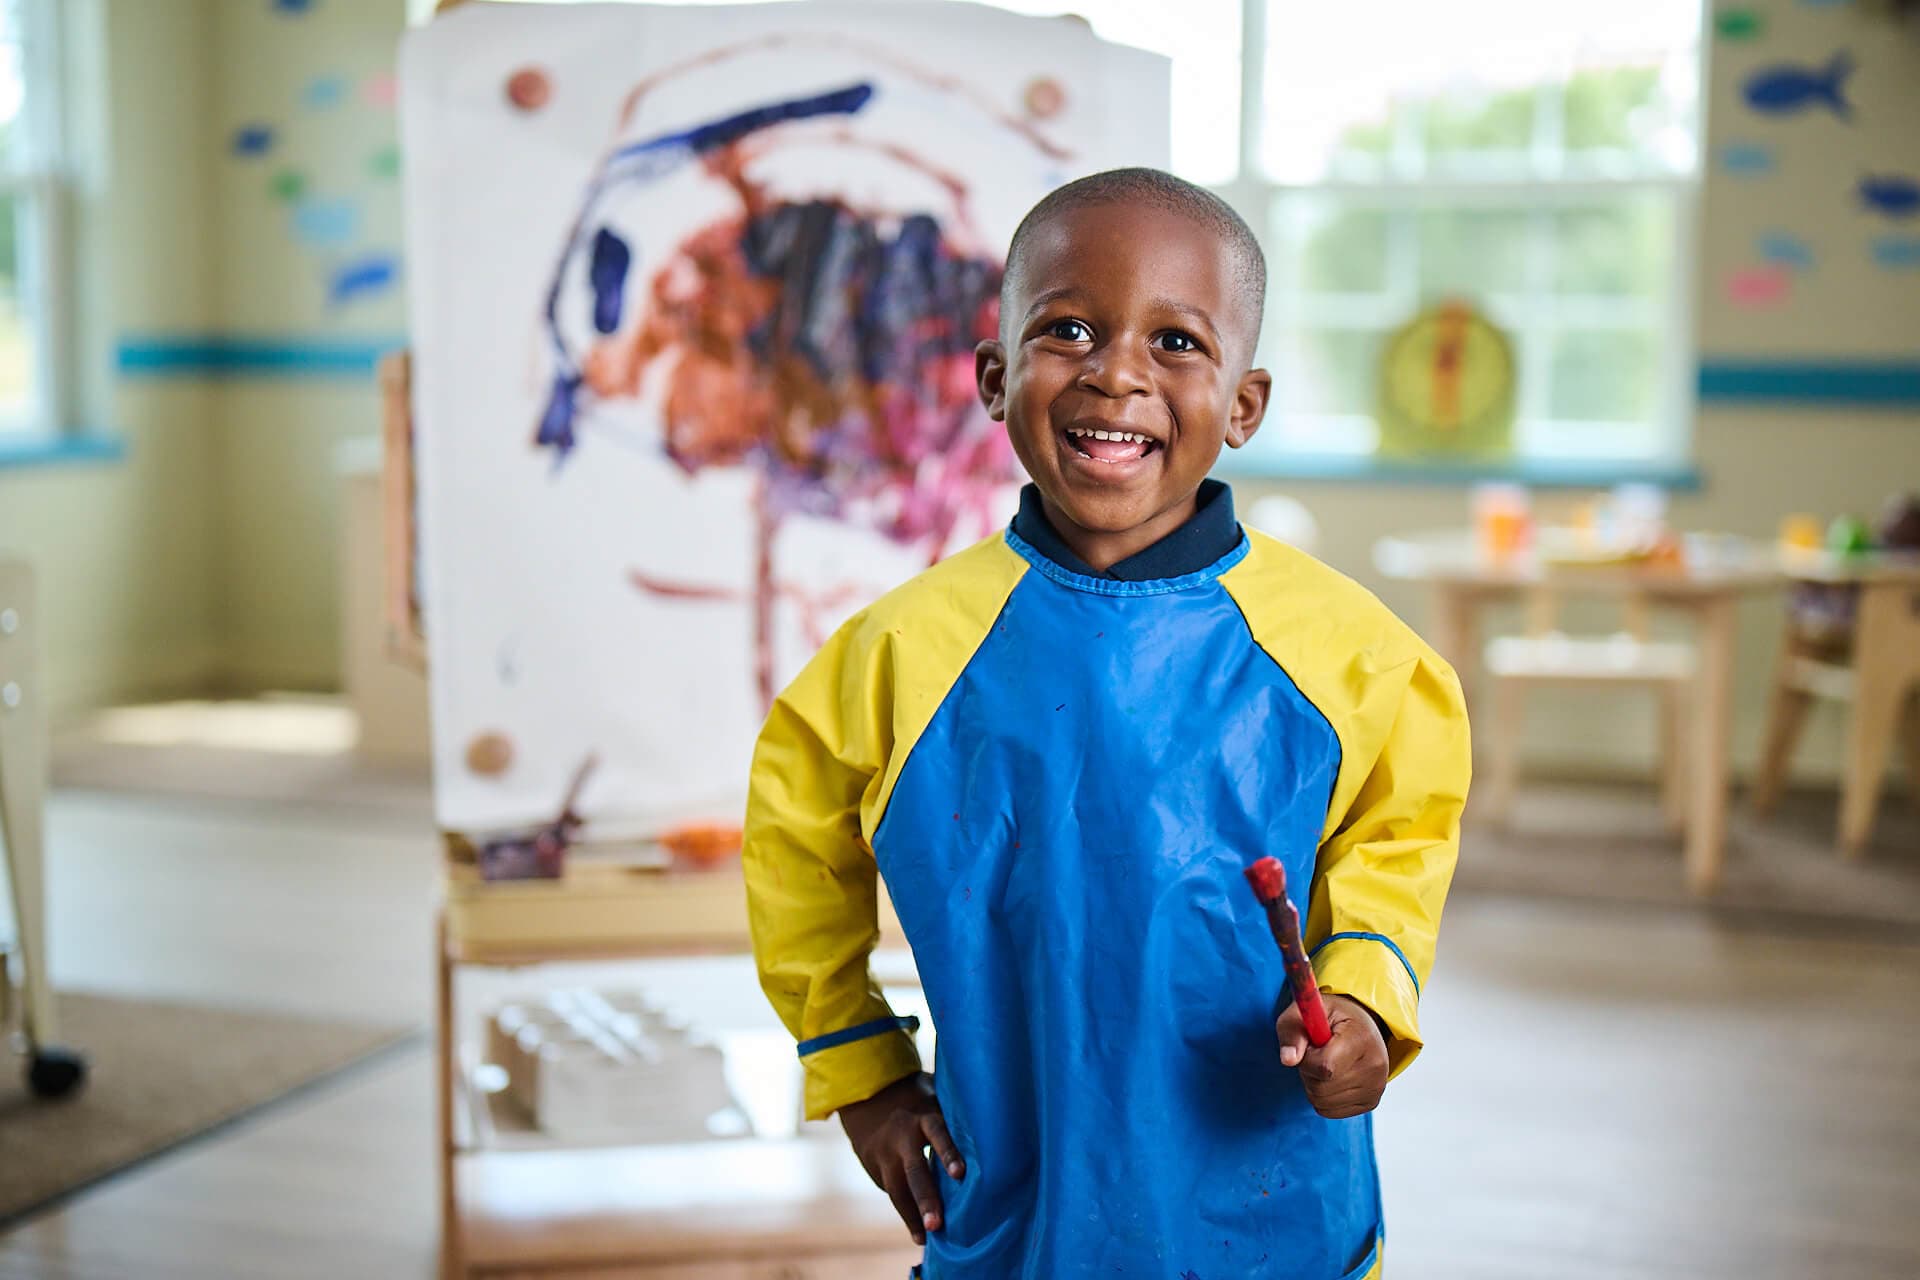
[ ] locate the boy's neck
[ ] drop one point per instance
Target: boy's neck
(1101, 549)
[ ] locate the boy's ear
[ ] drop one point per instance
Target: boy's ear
(1249, 407)
(990, 371)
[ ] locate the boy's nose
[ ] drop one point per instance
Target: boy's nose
(1116, 371)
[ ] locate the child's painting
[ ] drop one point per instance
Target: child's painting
(696, 296)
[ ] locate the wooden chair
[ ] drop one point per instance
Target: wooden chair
(1546, 656)
(1876, 671)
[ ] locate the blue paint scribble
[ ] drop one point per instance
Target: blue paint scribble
(645, 162)
(607, 274)
(326, 223)
(730, 129)
(323, 92)
(1746, 159)
(1784, 249)
(252, 140)
(1891, 195)
(293, 6)
(371, 274)
(556, 424)
(1897, 253)
(1790, 88)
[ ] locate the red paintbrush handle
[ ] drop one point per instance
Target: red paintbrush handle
(1300, 976)
(1269, 881)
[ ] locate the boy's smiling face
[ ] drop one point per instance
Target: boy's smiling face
(1121, 369)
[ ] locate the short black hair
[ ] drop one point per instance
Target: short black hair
(1162, 190)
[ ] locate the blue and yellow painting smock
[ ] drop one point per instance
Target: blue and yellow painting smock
(1060, 777)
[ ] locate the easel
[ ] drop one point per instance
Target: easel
(51, 1072)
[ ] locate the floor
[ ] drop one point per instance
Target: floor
(1611, 1092)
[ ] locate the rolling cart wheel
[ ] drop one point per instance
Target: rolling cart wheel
(53, 1072)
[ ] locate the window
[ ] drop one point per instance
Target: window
(1537, 159)
(32, 182)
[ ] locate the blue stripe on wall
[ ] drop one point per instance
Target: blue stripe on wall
(222, 357)
(1890, 384)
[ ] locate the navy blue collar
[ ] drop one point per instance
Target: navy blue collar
(1209, 533)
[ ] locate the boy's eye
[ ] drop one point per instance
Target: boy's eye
(1069, 331)
(1178, 342)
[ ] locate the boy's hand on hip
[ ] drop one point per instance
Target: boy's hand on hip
(891, 1132)
(1346, 1075)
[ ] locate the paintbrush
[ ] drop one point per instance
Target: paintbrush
(1269, 881)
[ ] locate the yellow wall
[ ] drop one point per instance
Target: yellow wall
(124, 550)
(278, 511)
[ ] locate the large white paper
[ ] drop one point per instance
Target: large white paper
(693, 303)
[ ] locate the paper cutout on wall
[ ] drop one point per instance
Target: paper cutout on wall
(1739, 24)
(384, 163)
(323, 93)
(379, 90)
(1891, 195)
(1759, 288)
(1784, 249)
(1746, 159)
(251, 140)
(288, 184)
(293, 7)
(1897, 253)
(364, 276)
(326, 224)
(1789, 88)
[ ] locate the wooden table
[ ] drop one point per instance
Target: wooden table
(1718, 571)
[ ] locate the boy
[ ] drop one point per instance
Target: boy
(1060, 748)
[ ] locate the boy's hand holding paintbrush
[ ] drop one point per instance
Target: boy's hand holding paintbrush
(1335, 1041)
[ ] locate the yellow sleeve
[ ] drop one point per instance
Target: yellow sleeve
(812, 886)
(1383, 872)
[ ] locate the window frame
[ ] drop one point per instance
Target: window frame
(1257, 197)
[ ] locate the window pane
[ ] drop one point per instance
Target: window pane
(1326, 371)
(1203, 40)
(1473, 252)
(1330, 246)
(1467, 122)
(1639, 100)
(1386, 87)
(16, 337)
(1605, 376)
(1623, 248)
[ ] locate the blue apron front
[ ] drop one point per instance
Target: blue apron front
(1065, 848)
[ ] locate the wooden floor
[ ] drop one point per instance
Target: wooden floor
(1610, 1092)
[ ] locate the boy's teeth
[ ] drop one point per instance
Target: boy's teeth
(1130, 436)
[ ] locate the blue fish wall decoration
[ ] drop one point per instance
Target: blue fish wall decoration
(1785, 249)
(370, 274)
(1890, 194)
(1746, 159)
(1790, 88)
(1897, 253)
